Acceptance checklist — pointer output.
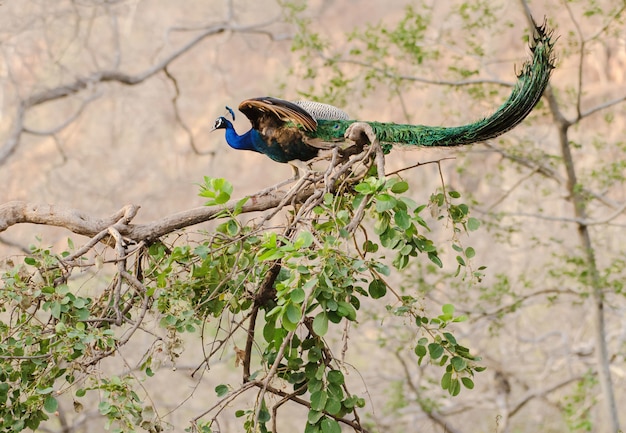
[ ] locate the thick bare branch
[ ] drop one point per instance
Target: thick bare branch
(82, 223)
(76, 221)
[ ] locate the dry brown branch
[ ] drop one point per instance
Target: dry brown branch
(82, 223)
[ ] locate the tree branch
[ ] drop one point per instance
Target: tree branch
(82, 223)
(82, 83)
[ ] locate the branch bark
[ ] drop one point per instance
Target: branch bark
(82, 223)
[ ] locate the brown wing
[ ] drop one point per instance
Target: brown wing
(268, 111)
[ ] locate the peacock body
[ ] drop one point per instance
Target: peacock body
(286, 131)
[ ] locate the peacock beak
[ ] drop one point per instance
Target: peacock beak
(217, 125)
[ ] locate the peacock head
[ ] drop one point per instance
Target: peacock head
(221, 123)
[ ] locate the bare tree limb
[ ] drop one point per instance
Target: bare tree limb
(67, 121)
(550, 173)
(102, 76)
(82, 223)
(603, 106)
(533, 394)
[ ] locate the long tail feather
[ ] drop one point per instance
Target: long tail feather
(531, 83)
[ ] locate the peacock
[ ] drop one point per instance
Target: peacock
(286, 131)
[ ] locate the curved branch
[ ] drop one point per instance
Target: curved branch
(66, 122)
(82, 83)
(549, 173)
(603, 106)
(533, 394)
(14, 137)
(82, 223)
(119, 76)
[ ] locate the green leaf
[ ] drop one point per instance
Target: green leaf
(320, 324)
(420, 350)
(44, 391)
(377, 289)
(370, 247)
(232, 227)
(446, 379)
(271, 254)
(469, 252)
(435, 350)
(55, 310)
(472, 224)
(310, 428)
(297, 295)
(344, 309)
(455, 387)
(79, 302)
(288, 324)
(104, 407)
(454, 194)
(50, 404)
(435, 259)
(467, 382)
(335, 391)
(333, 406)
(458, 363)
(217, 190)
(449, 336)
(221, 390)
(385, 202)
(239, 206)
(335, 376)
(318, 400)
(330, 425)
(382, 269)
(448, 309)
(364, 188)
(350, 402)
(264, 415)
(400, 187)
(402, 220)
(381, 225)
(304, 240)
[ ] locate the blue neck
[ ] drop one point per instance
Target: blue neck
(241, 142)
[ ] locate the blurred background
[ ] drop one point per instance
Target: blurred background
(105, 103)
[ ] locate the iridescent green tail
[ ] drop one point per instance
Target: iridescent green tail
(530, 85)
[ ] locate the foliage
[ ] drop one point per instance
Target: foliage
(304, 281)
